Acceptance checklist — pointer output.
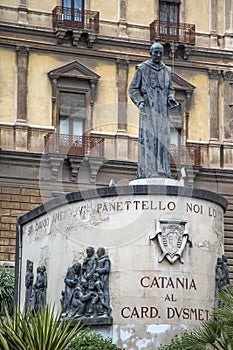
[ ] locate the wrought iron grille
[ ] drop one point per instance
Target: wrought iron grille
(186, 155)
(74, 145)
(94, 146)
(178, 32)
(75, 18)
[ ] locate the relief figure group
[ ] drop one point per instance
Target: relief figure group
(86, 291)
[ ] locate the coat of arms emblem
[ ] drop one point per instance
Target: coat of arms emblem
(172, 236)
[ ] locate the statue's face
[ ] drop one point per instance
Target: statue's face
(100, 252)
(77, 268)
(156, 55)
(90, 251)
(84, 284)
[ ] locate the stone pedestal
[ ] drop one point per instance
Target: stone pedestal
(163, 243)
(157, 181)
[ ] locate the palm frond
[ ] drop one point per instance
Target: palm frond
(216, 333)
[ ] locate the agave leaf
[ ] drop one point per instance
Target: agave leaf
(44, 330)
(6, 289)
(3, 343)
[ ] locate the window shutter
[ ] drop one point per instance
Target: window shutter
(175, 117)
(72, 104)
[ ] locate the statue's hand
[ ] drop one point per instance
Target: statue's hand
(172, 103)
(141, 107)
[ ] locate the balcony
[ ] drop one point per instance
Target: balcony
(183, 33)
(74, 145)
(185, 155)
(94, 146)
(66, 17)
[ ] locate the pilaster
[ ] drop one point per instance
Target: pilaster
(228, 104)
(214, 76)
(22, 74)
(23, 12)
(122, 80)
(122, 18)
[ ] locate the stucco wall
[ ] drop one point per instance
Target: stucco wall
(7, 85)
(198, 14)
(104, 118)
(42, 5)
(140, 12)
(108, 9)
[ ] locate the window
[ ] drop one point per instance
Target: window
(179, 116)
(176, 125)
(73, 10)
(169, 18)
(73, 97)
(72, 113)
(175, 137)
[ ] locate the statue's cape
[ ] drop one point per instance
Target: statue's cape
(151, 64)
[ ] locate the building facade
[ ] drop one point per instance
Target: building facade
(66, 122)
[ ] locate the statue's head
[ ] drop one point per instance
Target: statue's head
(156, 51)
(224, 258)
(100, 251)
(43, 269)
(84, 283)
(90, 251)
(77, 267)
(96, 276)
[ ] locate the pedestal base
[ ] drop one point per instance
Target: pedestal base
(163, 243)
(157, 181)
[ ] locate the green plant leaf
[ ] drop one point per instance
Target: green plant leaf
(6, 289)
(91, 341)
(216, 333)
(44, 330)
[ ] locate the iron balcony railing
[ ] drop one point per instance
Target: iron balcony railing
(177, 32)
(94, 146)
(74, 145)
(185, 155)
(75, 18)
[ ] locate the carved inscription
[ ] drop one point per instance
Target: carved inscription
(171, 313)
(136, 205)
(167, 284)
(93, 214)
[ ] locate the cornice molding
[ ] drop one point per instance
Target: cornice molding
(74, 69)
(214, 73)
(228, 75)
(180, 83)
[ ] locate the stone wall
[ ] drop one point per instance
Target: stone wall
(14, 201)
